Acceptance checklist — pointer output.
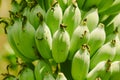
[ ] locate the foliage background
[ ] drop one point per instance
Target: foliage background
(7, 55)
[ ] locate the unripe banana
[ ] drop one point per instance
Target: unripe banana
(48, 76)
(60, 45)
(71, 17)
(54, 17)
(61, 76)
(41, 69)
(9, 29)
(107, 51)
(31, 15)
(101, 70)
(23, 36)
(115, 70)
(80, 36)
(43, 40)
(26, 74)
(10, 77)
(97, 38)
(92, 19)
(80, 64)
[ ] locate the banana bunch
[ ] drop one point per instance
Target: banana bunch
(65, 39)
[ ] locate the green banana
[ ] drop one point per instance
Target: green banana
(101, 70)
(80, 64)
(80, 36)
(60, 44)
(97, 38)
(107, 51)
(63, 4)
(43, 39)
(54, 17)
(41, 69)
(103, 5)
(23, 36)
(113, 9)
(10, 77)
(31, 15)
(115, 70)
(48, 76)
(71, 17)
(80, 3)
(10, 33)
(90, 4)
(26, 74)
(92, 19)
(61, 76)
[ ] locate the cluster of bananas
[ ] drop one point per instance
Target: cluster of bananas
(69, 39)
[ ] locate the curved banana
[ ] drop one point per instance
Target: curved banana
(41, 69)
(48, 76)
(71, 18)
(107, 51)
(101, 70)
(54, 17)
(80, 36)
(80, 64)
(23, 36)
(61, 76)
(97, 38)
(92, 19)
(43, 40)
(60, 45)
(26, 74)
(10, 32)
(32, 15)
(115, 70)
